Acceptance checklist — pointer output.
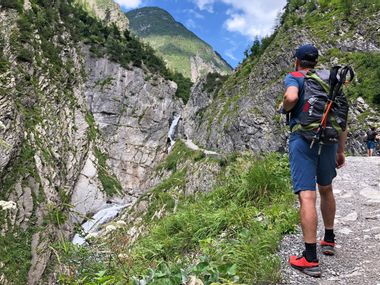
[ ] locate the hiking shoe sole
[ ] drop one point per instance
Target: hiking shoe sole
(328, 248)
(310, 271)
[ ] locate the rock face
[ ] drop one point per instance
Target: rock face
(133, 116)
(68, 132)
(200, 67)
(361, 117)
(107, 11)
(242, 114)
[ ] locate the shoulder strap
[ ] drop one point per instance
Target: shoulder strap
(298, 74)
(314, 76)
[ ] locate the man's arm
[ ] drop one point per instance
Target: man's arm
(340, 157)
(290, 98)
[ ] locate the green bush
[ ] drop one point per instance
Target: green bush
(214, 81)
(25, 55)
(12, 4)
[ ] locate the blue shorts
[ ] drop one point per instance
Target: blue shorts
(307, 167)
(371, 144)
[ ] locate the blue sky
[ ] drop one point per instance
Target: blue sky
(229, 26)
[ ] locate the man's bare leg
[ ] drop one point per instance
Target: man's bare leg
(328, 206)
(328, 209)
(308, 214)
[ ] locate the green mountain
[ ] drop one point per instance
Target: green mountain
(182, 50)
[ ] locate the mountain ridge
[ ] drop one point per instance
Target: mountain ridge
(182, 49)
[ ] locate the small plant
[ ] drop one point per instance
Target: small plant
(110, 183)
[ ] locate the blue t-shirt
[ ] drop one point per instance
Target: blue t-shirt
(295, 79)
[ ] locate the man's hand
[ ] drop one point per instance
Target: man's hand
(340, 159)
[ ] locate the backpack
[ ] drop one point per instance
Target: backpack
(371, 136)
(325, 107)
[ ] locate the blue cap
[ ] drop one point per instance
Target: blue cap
(307, 52)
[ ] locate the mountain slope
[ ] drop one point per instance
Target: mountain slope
(242, 114)
(106, 10)
(182, 50)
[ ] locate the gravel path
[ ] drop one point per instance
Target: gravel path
(357, 230)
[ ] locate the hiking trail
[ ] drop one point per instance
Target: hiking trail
(357, 230)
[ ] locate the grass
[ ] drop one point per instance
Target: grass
(16, 254)
(180, 153)
(239, 224)
(227, 236)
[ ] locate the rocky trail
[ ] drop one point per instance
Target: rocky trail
(357, 229)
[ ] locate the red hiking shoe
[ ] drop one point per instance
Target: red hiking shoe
(301, 264)
(328, 248)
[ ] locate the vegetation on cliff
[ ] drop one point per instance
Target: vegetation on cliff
(228, 235)
(329, 23)
(38, 78)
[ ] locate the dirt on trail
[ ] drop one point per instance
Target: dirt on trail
(357, 230)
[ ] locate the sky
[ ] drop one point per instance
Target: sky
(229, 26)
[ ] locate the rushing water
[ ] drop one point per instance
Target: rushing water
(92, 226)
(172, 129)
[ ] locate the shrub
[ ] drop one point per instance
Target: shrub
(12, 4)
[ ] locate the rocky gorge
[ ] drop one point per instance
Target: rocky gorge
(82, 131)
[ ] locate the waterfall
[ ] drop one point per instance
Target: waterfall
(92, 226)
(172, 129)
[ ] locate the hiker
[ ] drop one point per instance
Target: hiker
(311, 162)
(371, 138)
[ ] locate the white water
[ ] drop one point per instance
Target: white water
(92, 226)
(172, 129)
(193, 146)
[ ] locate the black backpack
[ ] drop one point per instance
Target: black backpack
(371, 135)
(325, 109)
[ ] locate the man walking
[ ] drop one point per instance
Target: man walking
(372, 136)
(310, 165)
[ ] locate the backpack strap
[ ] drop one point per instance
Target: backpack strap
(298, 74)
(314, 76)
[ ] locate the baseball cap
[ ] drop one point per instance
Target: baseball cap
(307, 52)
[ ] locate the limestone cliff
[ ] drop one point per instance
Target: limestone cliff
(77, 130)
(107, 11)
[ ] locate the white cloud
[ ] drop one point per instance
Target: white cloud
(229, 54)
(193, 13)
(129, 4)
(205, 5)
(250, 18)
(190, 24)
